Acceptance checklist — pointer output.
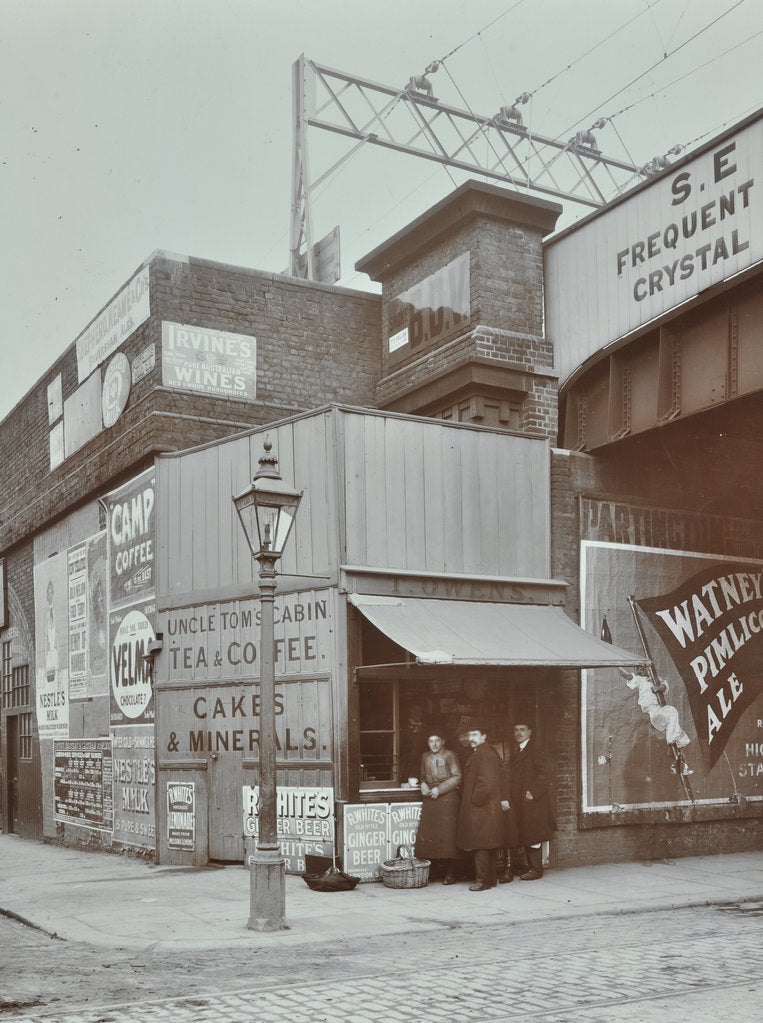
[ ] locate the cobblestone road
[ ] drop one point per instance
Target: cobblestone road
(697, 964)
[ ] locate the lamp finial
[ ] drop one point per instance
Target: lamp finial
(268, 463)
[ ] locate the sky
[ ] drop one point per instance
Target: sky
(132, 126)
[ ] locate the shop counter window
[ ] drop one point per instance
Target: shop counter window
(378, 734)
(391, 745)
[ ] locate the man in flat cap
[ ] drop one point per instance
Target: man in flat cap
(483, 804)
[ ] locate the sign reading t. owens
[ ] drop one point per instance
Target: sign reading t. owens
(661, 246)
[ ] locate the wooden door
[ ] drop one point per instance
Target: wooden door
(12, 732)
(226, 820)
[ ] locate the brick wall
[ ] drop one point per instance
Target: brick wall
(505, 327)
(315, 345)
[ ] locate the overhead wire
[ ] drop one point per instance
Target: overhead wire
(526, 96)
(662, 59)
(687, 74)
(481, 127)
(588, 52)
(680, 147)
(441, 62)
(484, 29)
(436, 64)
(719, 127)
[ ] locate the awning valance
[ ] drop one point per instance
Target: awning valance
(466, 632)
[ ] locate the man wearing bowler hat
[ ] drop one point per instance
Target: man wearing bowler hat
(483, 803)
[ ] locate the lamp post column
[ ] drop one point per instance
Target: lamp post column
(267, 893)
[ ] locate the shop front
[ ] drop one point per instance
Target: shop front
(432, 659)
(386, 622)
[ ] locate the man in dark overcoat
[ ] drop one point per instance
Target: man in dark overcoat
(529, 789)
(484, 800)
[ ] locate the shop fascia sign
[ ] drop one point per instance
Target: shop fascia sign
(452, 587)
(220, 640)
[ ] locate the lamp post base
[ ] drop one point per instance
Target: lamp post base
(267, 891)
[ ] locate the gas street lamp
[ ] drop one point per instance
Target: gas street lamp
(267, 509)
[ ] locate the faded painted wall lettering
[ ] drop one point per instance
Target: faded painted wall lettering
(123, 315)
(617, 522)
(223, 640)
(431, 309)
(226, 719)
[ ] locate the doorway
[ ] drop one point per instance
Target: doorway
(12, 734)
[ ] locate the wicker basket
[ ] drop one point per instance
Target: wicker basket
(405, 871)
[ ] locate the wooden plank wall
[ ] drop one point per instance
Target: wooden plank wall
(430, 497)
(420, 495)
(200, 542)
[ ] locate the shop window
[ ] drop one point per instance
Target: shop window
(379, 753)
(395, 715)
(25, 736)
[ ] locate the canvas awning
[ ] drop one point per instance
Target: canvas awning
(475, 632)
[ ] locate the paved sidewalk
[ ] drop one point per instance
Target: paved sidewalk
(118, 902)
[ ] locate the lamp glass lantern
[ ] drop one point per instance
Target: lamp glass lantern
(267, 509)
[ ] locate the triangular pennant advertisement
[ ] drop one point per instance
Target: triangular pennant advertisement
(712, 627)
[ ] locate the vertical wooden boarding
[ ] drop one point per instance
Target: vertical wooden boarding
(374, 535)
(224, 522)
(515, 502)
(487, 462)
(186, 520)
(470, 495)
(390, 470)
(353, 479)
(414, 494)
(313, 545)
(453, 504)
(434, 548)
(225, 808)
(168, 540)
(381, 486)
(534, 514)
(512, 497)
